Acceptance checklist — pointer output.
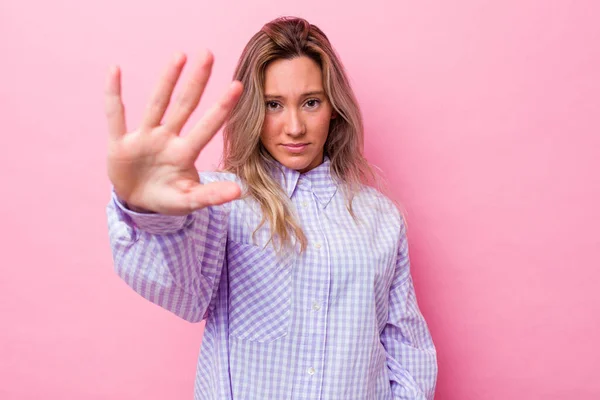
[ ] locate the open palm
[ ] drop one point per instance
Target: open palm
(152, 168)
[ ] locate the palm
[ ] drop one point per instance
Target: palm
(152, 168)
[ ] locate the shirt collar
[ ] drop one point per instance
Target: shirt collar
(318, 180)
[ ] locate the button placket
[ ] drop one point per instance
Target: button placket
(308, 207)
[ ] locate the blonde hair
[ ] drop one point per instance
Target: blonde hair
(243, 153)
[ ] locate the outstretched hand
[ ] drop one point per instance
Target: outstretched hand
(152, 168)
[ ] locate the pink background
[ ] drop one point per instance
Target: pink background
(484, 116)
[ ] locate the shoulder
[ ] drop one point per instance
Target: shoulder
(369, 201)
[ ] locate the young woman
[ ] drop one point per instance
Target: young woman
(298, 266)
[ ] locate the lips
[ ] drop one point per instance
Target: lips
(295, 147)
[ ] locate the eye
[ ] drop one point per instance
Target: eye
(313, 103)
(271, 105)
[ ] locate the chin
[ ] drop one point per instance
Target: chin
(298, 163)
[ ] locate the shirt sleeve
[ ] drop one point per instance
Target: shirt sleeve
(410, 352)
(172, 261)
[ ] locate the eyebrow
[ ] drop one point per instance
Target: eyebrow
(312, 93)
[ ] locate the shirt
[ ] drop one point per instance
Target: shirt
(337, 321)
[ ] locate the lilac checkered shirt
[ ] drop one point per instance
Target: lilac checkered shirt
(339, 321)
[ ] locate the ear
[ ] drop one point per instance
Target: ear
(333, 114)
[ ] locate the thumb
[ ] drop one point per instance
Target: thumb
(212, 194)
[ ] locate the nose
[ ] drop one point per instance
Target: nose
(294, 125)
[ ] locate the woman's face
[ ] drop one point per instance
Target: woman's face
(297, 114)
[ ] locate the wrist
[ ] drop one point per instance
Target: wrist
(132, 207)
(138, 209)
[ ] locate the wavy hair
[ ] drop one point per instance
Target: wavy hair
(244, 154)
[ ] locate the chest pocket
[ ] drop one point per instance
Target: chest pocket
(259, 292)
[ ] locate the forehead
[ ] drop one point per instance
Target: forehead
(293, 77)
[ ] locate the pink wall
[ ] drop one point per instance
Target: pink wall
(483, 115)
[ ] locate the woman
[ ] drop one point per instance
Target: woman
(303, 280)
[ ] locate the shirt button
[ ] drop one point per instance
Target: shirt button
(316, 306)
(311, 371)
(318, 245)
(304, 204)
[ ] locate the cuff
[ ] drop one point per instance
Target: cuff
(152, 223)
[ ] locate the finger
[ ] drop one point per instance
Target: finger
(214, 118)
(213, 194)
(161, 96)
(201, 196)
(113, 105)
(189, 98)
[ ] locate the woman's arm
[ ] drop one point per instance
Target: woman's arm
(410, 352)
(172, 261)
